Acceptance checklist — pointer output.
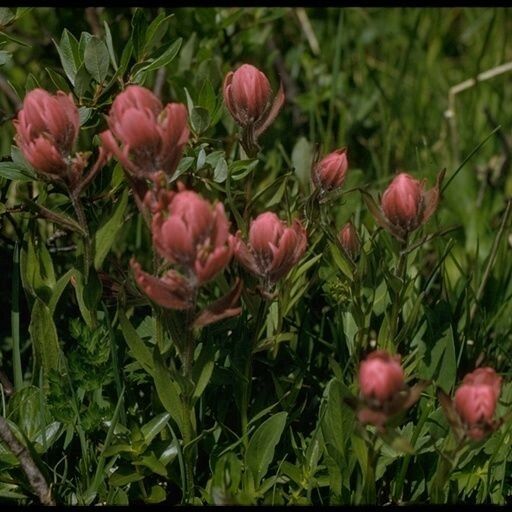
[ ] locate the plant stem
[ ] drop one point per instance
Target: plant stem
(187, 410)
(400, 273)
(15, 319)
(79, 210)
(246, 391)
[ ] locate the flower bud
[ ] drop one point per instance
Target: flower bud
(381, 376)
(273, 249)
(152, 137)
(247, 93)
(330, 172)
(475, 401)
(349, 240)
(46, 130)
(248, 97)
(402, 202)
(193, 233)
(406, 205)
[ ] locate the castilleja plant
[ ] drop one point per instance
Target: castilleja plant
(349, 241)
(330, 172)
(145, 136)
(46, 132)
(273, 248)
(249, 99)
(192, 234)
(472, 409)
(383, 393)
(405, 204)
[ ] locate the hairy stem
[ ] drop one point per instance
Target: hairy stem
(79, 210)
(34, 475)
(246, 390)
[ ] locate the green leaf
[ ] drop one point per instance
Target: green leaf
(106, 234)
(37, 273)
(137, 347)
(443, 363)
(207, 98)
(302, 158)
(82, 81)
(139, 28)
(69, 55)
(151, 462)
(204, 378)
(156, 30)
(168, 390)
(58, 289)
(87, 296)
(110, 45)
(262, 445)
(220, 172)
(161, 61)
(44, 337)
(151, 429)
(58, 80)
(200, 119)
(97, 59)
(338, 421)
(12, 171)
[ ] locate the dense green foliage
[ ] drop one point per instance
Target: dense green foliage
(99, 396)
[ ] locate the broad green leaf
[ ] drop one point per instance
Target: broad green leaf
(220, 172)
(110, 45)
(168, 390)
(97, 59)
(88, 296)
(337, 422)
(199, 119)
(204, 378)
(151, 429)
(12, 171)
(59, 287)
(262, 445)
(207, 98)
(163, 59)
(139, 28)
(82, 81)
(68, 53)
(302, 158)
(106, 234)
(36, 268)
(443, 363)
(137, 347)
(44, 337)
(58, 80)
(156, 30)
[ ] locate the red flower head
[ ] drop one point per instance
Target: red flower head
(191, 232)
(152, 137)
(46, 130)
(349, 240)
(381, 376)
(383, 392)
(330, 172)
(274, 248)
(248, 96)
(406, 204)
(475, 401)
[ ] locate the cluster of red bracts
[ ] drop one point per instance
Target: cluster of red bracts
(383, 394)
(193, 235)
